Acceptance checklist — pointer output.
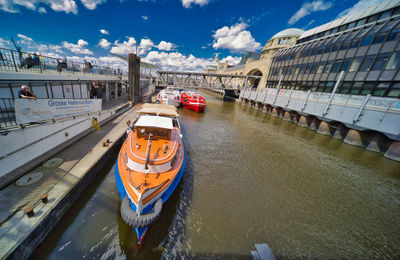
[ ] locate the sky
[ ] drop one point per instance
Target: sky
(173, 34)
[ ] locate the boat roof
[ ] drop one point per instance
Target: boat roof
(155, 121)
(159, 109)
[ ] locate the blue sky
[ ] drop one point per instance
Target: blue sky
(175, 34)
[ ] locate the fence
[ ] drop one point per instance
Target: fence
(11, 60)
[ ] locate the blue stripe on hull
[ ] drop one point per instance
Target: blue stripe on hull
(140, 232)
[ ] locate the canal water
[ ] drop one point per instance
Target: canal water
(249, 178)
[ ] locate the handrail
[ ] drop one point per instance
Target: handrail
(11, 60)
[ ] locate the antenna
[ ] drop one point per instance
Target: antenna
(15, 45)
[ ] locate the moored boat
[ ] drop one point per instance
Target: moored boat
(149, 166)
(194, 101)
(169, 96)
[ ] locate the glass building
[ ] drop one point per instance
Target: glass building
(365, 46)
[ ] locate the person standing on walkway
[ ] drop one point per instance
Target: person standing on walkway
(25, 92)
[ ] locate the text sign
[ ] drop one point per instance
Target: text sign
(29, 110)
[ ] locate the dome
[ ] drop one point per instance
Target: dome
(288, 33)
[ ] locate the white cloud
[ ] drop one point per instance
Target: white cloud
(166, 46)
(145, 46)
(124, 47)
(78, 48)
(56, 48)
(68, 6)
(145, 17)
(177, 61)
(42, 10)
(24, 37)
(360, 6)
(3, 43)
(308, 8)
(103, 43)
(92, 4)
(188, 3)
(129, 46)
(235, 38)
(104, 31)
(75, 59)
(231, 60)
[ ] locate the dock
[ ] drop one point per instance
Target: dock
(28, 212)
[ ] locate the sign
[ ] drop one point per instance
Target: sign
(29, 110)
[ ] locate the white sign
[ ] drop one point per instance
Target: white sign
(29, 110)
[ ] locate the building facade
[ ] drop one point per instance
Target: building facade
(364, 48)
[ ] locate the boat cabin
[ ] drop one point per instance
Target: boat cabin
(159, 127)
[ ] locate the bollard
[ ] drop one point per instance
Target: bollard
(29, 211)
(44, 198)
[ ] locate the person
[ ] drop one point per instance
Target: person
(94, 92)
(36, 60)
(25, 92)
(29, 61)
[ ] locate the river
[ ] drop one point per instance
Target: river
(249, 178)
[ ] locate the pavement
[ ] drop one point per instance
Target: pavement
(63, 180)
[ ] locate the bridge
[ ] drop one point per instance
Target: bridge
(200, 80)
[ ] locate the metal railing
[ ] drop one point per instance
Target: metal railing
(11, 60)
(7, 112)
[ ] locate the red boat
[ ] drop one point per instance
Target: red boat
(193, 101)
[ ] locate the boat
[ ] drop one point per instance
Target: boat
(194, 101)
(169, 96)
(149, 166)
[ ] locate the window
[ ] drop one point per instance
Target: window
(351, 25)
(344, 88)
(329, 86)
(336, 66)
(314, 86)
(394, 35)
(321, 86)
(385, 14)
(368, 88)
(361, 22)
(320, 67)
(367, 40)
(355, 43)
(314, 68)
(366, 65)
(380, 37)
(394, 62)
(355, 64)
(308, 68)
(394, 90)
(372, 18)
(334, 30)
(342, 28)
(381, 61)
(381, 88)
(356, 88)
(328, 66)
(345, 64)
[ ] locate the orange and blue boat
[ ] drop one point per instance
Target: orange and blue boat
(149, 166)
(193, 101)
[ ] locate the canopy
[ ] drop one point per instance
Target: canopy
(159, 109)
(155, 121)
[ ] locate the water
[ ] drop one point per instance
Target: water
(249, 178)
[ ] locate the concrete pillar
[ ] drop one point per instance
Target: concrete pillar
(302, 121)
(264, 108)
(324, 128)
(107, 91)
(274, 112)
(134, 77)
(353, 137)
(115, 90)
(373, 142)
(286, 117)
(314, 124)
(393, 152)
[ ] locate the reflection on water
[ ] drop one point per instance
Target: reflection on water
(249, 178)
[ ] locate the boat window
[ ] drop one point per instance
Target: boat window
(156, 132)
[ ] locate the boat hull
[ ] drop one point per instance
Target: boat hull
(195, 107)
(141, 231)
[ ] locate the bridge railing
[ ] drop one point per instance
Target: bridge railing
(15, 61)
